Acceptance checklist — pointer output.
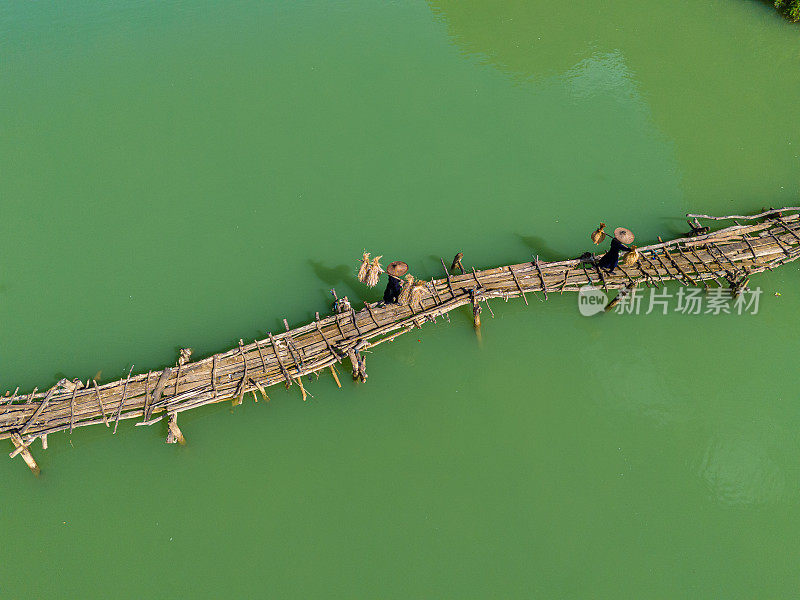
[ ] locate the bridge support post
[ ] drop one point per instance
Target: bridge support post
(359, 364)
(476, 310)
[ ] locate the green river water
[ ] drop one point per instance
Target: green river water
(189, 173)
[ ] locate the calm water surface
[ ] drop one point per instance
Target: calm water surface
(186, 174)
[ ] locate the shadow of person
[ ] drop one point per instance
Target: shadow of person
(343, 278)
(538, 246)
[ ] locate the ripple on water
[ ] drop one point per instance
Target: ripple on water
(741, 469)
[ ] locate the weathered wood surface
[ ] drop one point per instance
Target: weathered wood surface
(764, 243)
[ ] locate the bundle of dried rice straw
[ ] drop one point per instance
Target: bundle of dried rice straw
(374, 271)
(362, 270)
(405, 293)
(416, 292)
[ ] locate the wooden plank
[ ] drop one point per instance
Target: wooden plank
(519, 287)
(146, 394)
(725, 256)
(564, 282)
(750, 246)
(436, 292)
(475, 276)
(371, 314)
(666, 268)
(237, 396)
(355, 323)
(295, 353)
(677, 265)
(771, 211)
(693, 265)
(280, 362)
(541, 276)
(643, 256)
(449, 280)
(39, 410)
(100, 403)
(72, 408)
(162, 381)
(122, 400)
(791, 231)
(261, 354)
(214, 374)
(22, 448)
(780, 244)
(327, 342)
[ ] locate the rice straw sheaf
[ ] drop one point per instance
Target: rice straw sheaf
(362, 270)
(405, 293)
(416, 292)
(374, 272)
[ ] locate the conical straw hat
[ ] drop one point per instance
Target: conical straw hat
(623, 235)
(397, 269)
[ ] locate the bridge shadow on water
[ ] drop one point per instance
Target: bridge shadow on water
(540, 247)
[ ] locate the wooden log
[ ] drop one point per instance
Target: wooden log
(371, 314)
(519, 287)
(780, 244)
(100, 404)
(335, 376)
(122, 400)
(769, 212)
(355, 322)
(39, 410)
(351, 354)
(449, 279)
(623, 293)
(160, 384)
(788, 229)
(237, 396)
(677, 265)
(280, 362)
(476, 312)
(299, 380)
(261, 356)
(25, 452)
(146, 394)
(643, 256)
(437, 299)
(330, 346)
(541, 276)
(174, 434)
(390, 338)
(72, 408)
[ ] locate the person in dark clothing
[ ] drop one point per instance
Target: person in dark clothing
(610, 260)
(395, 271)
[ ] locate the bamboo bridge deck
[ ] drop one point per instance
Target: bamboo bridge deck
(766, 241)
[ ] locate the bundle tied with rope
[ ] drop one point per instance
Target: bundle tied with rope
(405, 294)
(374, 272)
(364, 268)
(416, 292)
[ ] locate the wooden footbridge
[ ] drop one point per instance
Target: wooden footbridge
(725, 257)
